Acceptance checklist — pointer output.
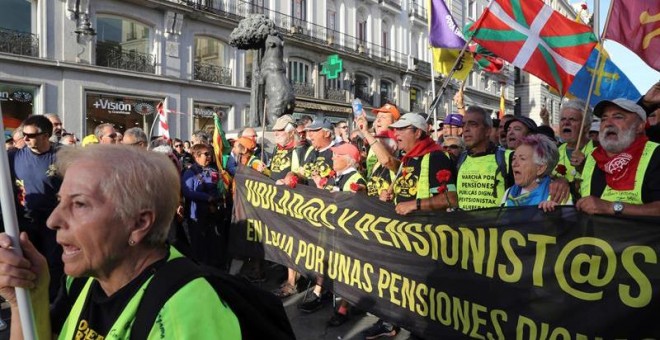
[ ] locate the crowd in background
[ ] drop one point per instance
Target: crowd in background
(468, 161)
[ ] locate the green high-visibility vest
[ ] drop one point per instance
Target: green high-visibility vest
(633, 196)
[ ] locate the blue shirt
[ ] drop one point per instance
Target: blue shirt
(35, 177)
(197, 186)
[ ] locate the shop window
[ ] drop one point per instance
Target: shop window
(17, 102)
(123, 112)
(203, 116)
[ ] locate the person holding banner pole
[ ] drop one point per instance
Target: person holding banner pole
(417, 187)
(285, 162)
(620, 176)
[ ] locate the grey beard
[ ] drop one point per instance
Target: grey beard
(625, 138)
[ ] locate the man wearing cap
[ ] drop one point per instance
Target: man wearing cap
(571, 160)
(416, 187)
(620, 175)
(385, 116)
(318, 157)
(452, 125)
(517, 128)
(287, 156)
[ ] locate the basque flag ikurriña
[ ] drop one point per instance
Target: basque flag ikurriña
(534, 37)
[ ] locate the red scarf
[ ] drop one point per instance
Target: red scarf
(621, 169)
(424, 146)
(288, 146)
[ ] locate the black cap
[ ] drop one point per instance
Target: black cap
(529, 123)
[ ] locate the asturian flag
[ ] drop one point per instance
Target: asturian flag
(610, 82)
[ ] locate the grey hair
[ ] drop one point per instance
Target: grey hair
(123, 169)
(544, 150)
(52, 115)
(138, 134)
(459, 140)
(578, 105)
(201, 137)
(98, 130)
(480, 110)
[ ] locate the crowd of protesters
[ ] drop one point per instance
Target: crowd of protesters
(468, 161)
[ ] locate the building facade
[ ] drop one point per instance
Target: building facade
(176, 52)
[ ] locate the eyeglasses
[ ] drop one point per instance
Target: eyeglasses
(112, 135)
(32, 135)
(178, 145)
(452, 146)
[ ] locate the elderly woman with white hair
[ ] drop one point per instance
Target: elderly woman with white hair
(533, 162)
(114, 212)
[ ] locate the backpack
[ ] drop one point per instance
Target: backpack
(260, 314)
(500, 155)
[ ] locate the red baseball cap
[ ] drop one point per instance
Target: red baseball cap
(347, 149)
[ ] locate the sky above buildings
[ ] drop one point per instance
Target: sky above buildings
(641, 74)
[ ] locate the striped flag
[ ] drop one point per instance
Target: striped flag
(221, 149)
(163, 128)
(535, 38)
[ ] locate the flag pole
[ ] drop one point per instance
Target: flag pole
(593, 75)
(436, 100)
(435, 112)
(11, 228)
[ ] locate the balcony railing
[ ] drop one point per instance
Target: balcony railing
(335, 94)
(302, 30)
(212, 73)
(393, 3)
(303, 89)
(110, 54)
(417, 10)
(16, 42)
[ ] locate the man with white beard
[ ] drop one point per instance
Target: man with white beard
(621, 177)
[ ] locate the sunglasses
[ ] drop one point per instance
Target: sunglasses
(112, 135)
(32, 135)
(178, 145)
(453, 147)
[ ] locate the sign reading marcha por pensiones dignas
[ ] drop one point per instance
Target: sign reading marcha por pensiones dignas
(515, 273)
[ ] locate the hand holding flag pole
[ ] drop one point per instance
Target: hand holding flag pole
(11, 228)
(441, 91)
(593, 75)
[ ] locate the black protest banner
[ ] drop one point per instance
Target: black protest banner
(515, 273)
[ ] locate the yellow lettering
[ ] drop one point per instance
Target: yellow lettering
(541, 250)
(645, 288)
(516, 270)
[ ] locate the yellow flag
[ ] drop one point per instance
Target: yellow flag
(443, 60)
